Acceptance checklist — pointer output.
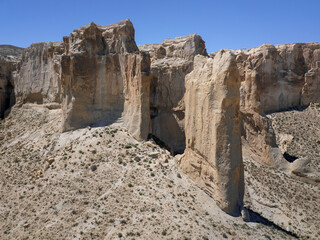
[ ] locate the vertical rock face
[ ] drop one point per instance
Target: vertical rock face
(275, 78)
(278, 77)
(171, 61)
(105, 78)
(38, 79)
(213, 155)
(8, 64)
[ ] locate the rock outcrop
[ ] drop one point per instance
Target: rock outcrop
(275, 78)
(38, 79)
(97, 74)
(9, 56)
(213, 155)
(171, 61)
(105, 78)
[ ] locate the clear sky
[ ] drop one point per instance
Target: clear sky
(221, 23)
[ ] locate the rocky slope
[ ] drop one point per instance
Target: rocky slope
(100, 183)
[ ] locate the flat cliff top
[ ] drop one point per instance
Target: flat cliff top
(185, 47)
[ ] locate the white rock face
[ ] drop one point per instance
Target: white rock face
(213, 155)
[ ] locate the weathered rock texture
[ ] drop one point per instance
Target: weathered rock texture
(275, 78)
(105, 77)
(171, 61)
(97, 74)
(38, 79)
(278, 77)
(8, 64)
(213, 155)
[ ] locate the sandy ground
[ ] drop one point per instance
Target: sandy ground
(100, 183)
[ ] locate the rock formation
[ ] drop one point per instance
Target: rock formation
(278, 77)
(105, 77)
(97, 74)
(38, 79)
(171, 61)
(213, 155)
(275, 78)
(8, 64)
(189, 103)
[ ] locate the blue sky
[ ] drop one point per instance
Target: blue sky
(222, 24)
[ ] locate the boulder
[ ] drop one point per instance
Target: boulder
(213, 155)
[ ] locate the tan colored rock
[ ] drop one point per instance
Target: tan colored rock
(213, 155)
(171, 61)
(38, 79)
(106, 79)
(275, 78)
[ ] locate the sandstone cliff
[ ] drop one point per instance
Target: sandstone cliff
(97, 74)
(275, 78)
(105, 78)
(171, 61)
(38, 78)
(213, 155)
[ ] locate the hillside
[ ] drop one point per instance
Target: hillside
(100, 183)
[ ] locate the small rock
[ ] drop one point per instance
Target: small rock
(50, 160)
(69, 148)
(94, 151)
(93, 168)
(154, 154)
(245, 214)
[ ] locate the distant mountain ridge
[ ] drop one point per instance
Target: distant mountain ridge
(10, 50)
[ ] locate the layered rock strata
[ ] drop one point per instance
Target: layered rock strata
(171, 61)
(213, 155)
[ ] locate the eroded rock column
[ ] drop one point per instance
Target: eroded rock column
(105, 79)
(213, 155)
